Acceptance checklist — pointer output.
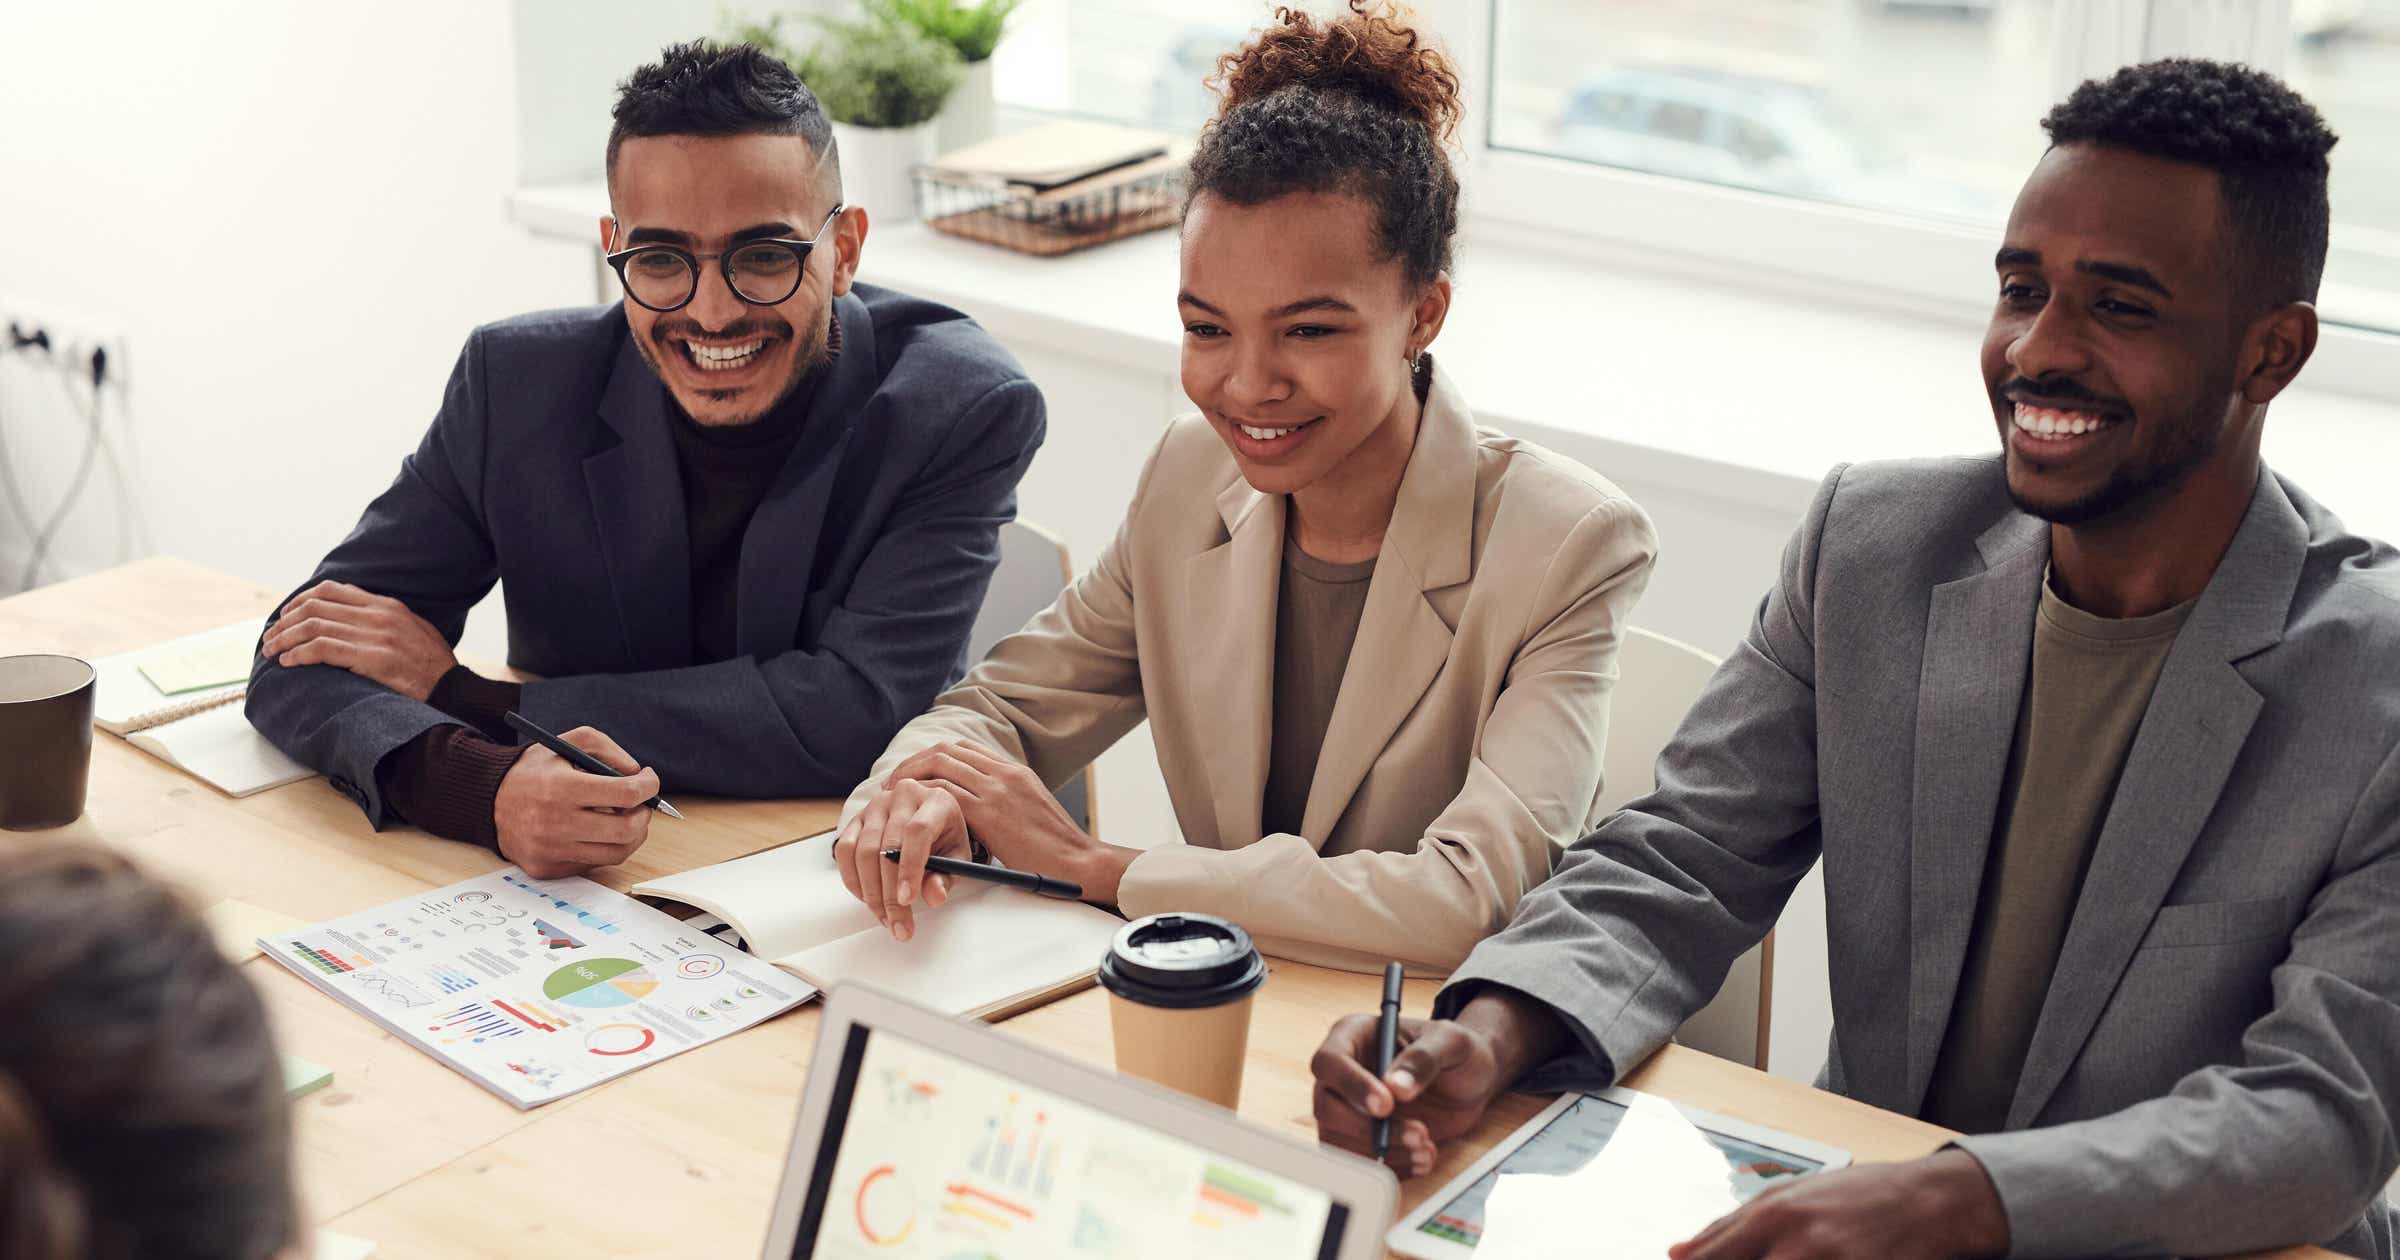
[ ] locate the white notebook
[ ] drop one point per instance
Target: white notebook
(197, 728)
(986, 953)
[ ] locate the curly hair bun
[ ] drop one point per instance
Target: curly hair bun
(1371, 52)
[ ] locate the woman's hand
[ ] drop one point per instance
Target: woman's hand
(919, 820)
(1008, 808)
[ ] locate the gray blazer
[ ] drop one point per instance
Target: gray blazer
(2216, 1066)
(550, 469)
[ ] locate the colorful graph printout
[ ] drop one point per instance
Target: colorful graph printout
(476, 975)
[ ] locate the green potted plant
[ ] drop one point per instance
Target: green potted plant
(973, 27)
(882, 83)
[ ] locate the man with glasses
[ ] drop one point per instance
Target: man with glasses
(742, 521)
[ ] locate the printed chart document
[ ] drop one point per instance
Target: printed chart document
(536, 988)
(180, 702)
(986, 953)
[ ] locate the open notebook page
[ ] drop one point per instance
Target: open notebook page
(124, 694)
(782, 901)
(221, 747)
(971, 954)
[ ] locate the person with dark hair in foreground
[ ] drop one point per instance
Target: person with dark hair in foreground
(742, 520)
(1374, 643)
(2099, 740)
(142, 1111)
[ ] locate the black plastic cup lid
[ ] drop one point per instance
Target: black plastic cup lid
(1181, 961)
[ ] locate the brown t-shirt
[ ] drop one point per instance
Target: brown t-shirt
(1316, 620)
(2090, 684)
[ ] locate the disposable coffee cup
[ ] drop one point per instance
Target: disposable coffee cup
(1179, 988)
(45, 740)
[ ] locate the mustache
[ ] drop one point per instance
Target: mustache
(2060, 391)
(668, 327)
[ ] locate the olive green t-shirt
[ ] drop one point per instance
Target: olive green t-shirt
(2089, 685)
(1316, 620)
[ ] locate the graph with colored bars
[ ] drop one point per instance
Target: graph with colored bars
(327, 961)
(474, 1023)
(594, 922)
(1030, 1167)
(1236, 1201)
(451, 979)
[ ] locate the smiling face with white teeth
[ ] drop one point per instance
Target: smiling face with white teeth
(727, 361)
(2114, 355)
(1297, 333)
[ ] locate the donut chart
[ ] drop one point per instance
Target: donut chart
(613, 1040)
(600, 983)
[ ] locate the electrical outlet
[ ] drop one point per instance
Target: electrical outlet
(73, 339)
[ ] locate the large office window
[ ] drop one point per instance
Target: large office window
(2345, 57)
(1880, 104)
(1918, 117)
(1143, 62)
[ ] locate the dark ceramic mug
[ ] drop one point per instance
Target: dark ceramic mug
(45, 740)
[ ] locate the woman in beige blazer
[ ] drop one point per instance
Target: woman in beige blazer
(1374, 643)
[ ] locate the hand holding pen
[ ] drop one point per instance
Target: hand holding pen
(553, 817)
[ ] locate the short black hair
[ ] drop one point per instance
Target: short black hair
(705, 89)
(2266, 143)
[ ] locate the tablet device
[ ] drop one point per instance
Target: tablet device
(923, 1137)
(1565, 1136)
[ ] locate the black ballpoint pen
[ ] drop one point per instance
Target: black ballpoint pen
(1387, 1043)
(580, 759)
(1001, 875)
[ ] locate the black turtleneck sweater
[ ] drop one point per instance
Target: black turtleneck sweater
(446, 779)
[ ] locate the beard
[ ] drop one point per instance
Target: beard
(2146, 478)
(811, 350)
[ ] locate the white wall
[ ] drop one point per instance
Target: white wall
(293, 213)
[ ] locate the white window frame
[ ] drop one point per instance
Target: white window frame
(1918, 266)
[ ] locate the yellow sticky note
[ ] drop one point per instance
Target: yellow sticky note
(237, 925)
(333, 1246)
(216, 661)
(303, 1077)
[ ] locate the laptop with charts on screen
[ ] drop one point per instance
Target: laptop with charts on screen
(926, 1136)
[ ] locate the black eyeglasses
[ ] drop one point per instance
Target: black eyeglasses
(762, 273)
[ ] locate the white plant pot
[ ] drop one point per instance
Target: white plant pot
(968, 117)
(878, 165)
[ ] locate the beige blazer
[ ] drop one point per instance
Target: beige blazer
(1464, 748)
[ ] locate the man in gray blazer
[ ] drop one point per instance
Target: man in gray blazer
(2099, 740)
(743, 520)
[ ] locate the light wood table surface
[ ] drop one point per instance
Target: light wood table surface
(681, 1158)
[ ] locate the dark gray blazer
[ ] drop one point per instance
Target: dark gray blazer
(550, 469)
(2217, 1065)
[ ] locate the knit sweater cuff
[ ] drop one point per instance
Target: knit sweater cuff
(446, 781)
(478, 701)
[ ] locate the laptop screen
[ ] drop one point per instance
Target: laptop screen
(927, 1155)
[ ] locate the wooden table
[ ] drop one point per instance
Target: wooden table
(681, 1158)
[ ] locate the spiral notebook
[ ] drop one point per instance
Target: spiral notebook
(180, 701)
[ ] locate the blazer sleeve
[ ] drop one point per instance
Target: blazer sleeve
(1636, 930)
(422, 542)
(2290, 1145)
(1054, 695)
(1531, 779)
(808, 722)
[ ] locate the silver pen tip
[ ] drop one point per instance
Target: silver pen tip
(670, 811)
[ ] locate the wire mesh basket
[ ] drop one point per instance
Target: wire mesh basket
(1106, 207)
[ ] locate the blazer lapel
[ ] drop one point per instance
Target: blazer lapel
(2186, 747)
(1402, 642)
(1978, 640)
(1232, 590)
(779, 546)
(637, 503)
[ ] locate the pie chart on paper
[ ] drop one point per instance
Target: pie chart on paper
(599, 983)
